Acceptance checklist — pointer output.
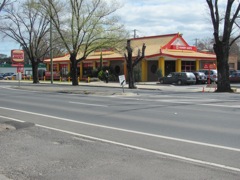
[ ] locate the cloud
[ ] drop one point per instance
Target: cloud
(156, 17)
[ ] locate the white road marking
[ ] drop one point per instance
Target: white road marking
(13, 119)
(221, 105)
(87, 104)
(128, 131)
(137, 148)
(197, 102)
(12, 89)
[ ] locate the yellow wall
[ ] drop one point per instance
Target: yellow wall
(94, 64)
(125, 68)
(81, 70)
(178, 65)
(197, 65)
(161, 65)
(69, 67)
(144, 70)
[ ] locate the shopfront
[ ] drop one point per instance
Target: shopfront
(170, 53)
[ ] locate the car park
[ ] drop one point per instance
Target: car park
(212, 75)
(201, 78)
(178, 78)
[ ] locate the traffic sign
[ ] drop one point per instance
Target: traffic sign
(122, 80)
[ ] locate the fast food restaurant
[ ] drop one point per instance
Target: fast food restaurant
(170, 53)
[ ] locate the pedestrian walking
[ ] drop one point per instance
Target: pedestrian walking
(106, 75)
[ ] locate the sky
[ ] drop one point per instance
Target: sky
(156, 17)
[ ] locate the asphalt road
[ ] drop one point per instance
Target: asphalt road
(141, 134)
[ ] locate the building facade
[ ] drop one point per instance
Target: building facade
(170, 53)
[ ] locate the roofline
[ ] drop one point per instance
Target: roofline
(157, 36)
(57, 57)
(189, 57)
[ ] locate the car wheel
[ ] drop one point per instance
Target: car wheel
(179, 82)
(161, 81)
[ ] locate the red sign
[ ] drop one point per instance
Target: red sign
(181, 47)
(17, 56)
(20, 69)
(209, 66)
(55, 73)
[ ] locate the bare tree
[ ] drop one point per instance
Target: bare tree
(206, 44)
(25, 24)
(132, 63)
(86, 26)
(4, 3)
(222, 39)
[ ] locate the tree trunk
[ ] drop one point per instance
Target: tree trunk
(222, 53)
(130, 77)
(35, 72)
(73, 59)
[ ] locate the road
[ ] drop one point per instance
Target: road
(172, 135)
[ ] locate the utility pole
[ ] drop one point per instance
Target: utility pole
(51, 53)
(196, 42)
(135, 33)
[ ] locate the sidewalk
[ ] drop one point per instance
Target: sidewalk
(140, 85)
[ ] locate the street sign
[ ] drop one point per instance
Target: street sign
(122, 80)
(17, 56)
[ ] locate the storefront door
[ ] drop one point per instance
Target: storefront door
(152, 69)
(170, 66)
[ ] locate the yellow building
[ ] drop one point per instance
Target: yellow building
(170, 53)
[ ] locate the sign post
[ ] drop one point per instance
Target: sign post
(209, 67)
(17, 57)
(122, 81)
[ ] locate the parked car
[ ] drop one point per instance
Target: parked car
(201, 78)
(1, 76)
(235, 77)
(8, 74)
(10, 77)
(213, 75)
(178, 78)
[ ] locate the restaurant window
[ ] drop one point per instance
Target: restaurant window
(188, 66)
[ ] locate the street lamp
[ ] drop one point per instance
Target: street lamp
(51, 54)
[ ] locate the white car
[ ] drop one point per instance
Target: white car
(10, 77)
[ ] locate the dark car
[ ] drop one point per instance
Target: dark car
(235, 77)
(178, 78)
(201, 78)
(1, 76)
(8, 74)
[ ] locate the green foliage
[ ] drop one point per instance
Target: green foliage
(159, 73)
(101, 75)
(113, 77)
(137, 74)
(95, 72)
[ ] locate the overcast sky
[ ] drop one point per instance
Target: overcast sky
(157, 17)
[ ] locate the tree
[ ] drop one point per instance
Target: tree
(222, 39)
(25, 24)
(205, 44)
(85, 26)
(4, 3)
(132, 63)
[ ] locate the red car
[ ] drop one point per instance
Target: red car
(235, 77)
